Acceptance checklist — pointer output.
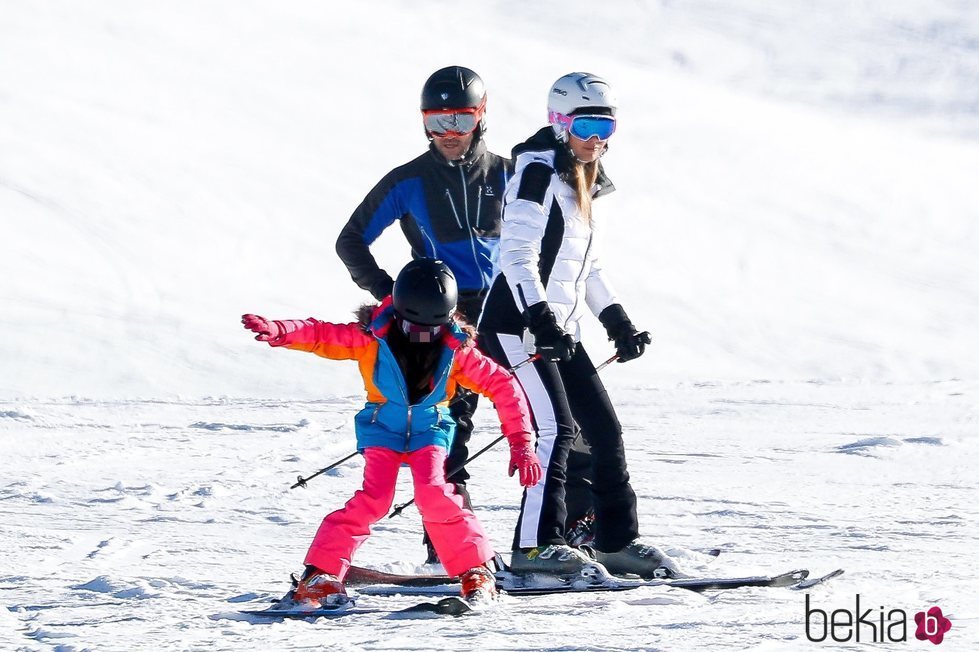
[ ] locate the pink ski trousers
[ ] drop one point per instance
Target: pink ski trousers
(457, 536)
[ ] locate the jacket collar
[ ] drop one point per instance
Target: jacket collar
(545, 140)
(476, 151)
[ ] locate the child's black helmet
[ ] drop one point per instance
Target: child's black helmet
(425, 292)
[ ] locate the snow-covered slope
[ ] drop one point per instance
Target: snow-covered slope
(146, 525)
(795, 223)
(795, 183)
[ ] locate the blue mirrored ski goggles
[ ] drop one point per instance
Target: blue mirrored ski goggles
(585, 126)
(592, 126)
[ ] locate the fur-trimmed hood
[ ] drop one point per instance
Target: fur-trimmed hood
(376, 318)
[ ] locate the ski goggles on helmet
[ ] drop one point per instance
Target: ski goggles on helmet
(419, 333)
(584, 127)
(455, 122)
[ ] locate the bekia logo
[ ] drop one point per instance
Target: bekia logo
(932, 625)
(880, 625)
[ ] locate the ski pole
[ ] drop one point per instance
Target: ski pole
(533, 358)
(400, 508)
(644, 337)
(607, 362)
(302, 481)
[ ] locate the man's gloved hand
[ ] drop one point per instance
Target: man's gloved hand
(267, 330)
(383, 288)
(629, 343)
(524, 459)
(553, 344)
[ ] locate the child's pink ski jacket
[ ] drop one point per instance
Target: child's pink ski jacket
(387, 418)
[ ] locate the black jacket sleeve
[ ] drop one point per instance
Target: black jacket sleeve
(381, 207)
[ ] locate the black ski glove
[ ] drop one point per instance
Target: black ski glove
(383, 288)
(553, 344)
(629, 343)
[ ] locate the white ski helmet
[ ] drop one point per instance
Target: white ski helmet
(578, 93)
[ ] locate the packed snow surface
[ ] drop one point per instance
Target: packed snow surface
(149, 525)
(795, 222)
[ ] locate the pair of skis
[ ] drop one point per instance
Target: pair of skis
(378, 583)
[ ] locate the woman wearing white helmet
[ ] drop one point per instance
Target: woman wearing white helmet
(549, 269)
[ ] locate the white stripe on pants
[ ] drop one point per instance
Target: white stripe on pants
(543, 411)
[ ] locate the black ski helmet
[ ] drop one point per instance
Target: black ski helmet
(425, 292)
(455, 87)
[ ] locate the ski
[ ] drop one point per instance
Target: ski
(516, 585)
(282, 611)
(512, 584)
(453, 605)
(450, 606)
(813, 581)
(359, 575)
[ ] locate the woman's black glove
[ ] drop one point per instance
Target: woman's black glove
(553, 344)
(629, 343)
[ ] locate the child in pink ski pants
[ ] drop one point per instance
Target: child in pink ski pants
(392, 430)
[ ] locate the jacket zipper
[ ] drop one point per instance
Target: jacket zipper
(404, 394)
(408, 434)
(444, 374)
(453, 205)
(479, 204)
(472, 234)
(376, 410)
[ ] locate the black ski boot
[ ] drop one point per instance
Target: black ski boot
(648, 562)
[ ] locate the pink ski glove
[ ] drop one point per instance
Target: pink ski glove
(267, 330)
(524, 459)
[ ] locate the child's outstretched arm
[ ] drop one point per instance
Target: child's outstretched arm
(267, 330)
(475, 371)
(335, 341)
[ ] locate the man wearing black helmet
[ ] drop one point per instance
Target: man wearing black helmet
(448, 202)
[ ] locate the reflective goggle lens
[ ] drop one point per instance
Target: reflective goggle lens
(420, 332)
(589, 126)
(460, 123)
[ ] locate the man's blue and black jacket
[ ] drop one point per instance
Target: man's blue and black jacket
(448, 210)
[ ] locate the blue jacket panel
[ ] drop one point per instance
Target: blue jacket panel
(396, 424)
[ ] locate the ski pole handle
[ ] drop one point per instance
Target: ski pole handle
(302, 481)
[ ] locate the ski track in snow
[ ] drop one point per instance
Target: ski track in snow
(149, 524)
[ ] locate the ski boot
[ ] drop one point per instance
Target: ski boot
(478, 586)
(431, 557)
(582, 531)
(561, 561)
(648, 562)
(319, 589)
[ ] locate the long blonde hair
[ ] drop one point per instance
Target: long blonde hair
(585, 175)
